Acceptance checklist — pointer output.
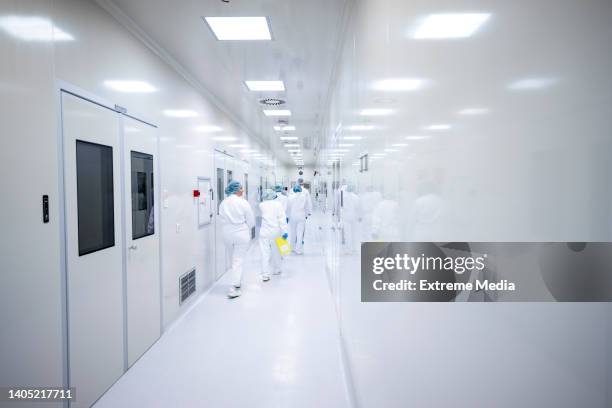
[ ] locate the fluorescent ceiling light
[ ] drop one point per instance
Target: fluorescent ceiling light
(360, 127)
(277, 112)
(438, 127)
(239, 28)
(225, 138)
(292, 145)
(33, 29)
(452, 25)
(130, 86)
(416, 137)
(180, 113)
(208, 128)
(473, 111)
(399, 144)
(237, 145)
(531, 83)
(284, 128)
(352, 138)
(399, 84)
(293, 150)
(265, 85)
(345, 145)
(289, 138)
(376, 112)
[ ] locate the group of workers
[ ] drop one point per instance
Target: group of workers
(282, 215)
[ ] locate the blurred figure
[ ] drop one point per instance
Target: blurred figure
(238, 219)
(300, 182)
(385, 225)
(281, 197)
(351, 219)
(299, 209)
(428, 217)
(273, 225)
(369, 200)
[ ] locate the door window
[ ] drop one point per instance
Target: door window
(95, 197)
(220, 188)
(143, 215)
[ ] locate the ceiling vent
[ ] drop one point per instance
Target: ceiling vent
(272, 102)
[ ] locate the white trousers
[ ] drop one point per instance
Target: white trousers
(296, 234)
(270, 257)
(236, 247)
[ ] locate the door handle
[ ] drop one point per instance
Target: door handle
(133, 247)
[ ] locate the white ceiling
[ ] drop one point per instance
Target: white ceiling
(302, 53)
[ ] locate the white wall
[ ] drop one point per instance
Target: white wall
(536, 168)
(31, 290)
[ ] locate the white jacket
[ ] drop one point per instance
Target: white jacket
(273, 219)
(236, 215)
(281, 198)
(300, 206)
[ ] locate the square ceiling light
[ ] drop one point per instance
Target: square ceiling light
(451, 25)
(208, 129)
(265, 85)
(399, 84)
(180, 113)
(284, 128)
(277, 112)
(289, 138)
(239, 28)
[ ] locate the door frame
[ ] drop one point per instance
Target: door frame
(62, 86)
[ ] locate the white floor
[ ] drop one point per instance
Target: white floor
(276, 346)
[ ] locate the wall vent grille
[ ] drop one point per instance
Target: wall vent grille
(187, 285)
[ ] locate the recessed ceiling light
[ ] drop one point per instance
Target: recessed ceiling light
(180, 113)
(292, 145)
(376, 112)
(438, 127)
(265, 85)
(277, 112)
(399, 84)
(473, 111)
(237, 145)
(352, 138)
(417, 137)
(284, 128)
(345, 145)
(130, 86)
(399, 144)
(208, 129)
(288, 138)
(531, 83)
(33, 29)
(293, 150)
(360, 127)
(225, 138)
(239, 28)
(452, 25)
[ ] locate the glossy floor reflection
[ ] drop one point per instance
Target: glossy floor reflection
(276, 346)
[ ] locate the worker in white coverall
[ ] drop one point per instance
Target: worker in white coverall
(299, 209)
(281, 197)
(238, 219)
(351, 219)
(273, 225)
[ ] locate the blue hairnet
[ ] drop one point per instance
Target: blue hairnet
(300, 181)
(233, 187)
(297, 188)
(278, 188)
(268, 195)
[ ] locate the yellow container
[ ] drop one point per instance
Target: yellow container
(283, 246)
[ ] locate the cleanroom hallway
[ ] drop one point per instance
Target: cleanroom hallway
(275, 346)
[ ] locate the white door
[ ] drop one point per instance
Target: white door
(94, 243)
(142, 237)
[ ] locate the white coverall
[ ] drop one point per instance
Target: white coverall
(300, 206)
(273, 225)
(350, 221)
(238, 219)
(281, 198)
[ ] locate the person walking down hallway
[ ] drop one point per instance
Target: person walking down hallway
(273, 225)
(300, 208)
(238, 219)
